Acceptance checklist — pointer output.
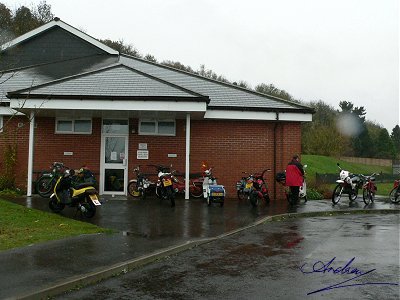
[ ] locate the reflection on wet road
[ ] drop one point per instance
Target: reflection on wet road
(264, 263)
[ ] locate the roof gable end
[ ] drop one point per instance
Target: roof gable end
(57, 22)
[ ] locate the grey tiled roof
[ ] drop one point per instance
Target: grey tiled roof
(28, 77)
(113, 81)
(221, 95)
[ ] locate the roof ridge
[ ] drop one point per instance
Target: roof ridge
(218, 82)
(164, 81)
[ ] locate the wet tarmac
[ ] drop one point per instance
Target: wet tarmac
(143, 227)
(265, 262)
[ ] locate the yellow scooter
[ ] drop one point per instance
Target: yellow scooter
(67, 192)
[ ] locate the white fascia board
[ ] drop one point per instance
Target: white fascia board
(176, 106)
(6, 111)
(240, 115)
(65, 26)
(301, 117)
(257, 115)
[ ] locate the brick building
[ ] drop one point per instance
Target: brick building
(67, 97)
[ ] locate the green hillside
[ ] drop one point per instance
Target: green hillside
(326, 164)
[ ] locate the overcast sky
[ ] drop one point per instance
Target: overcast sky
(331, 50)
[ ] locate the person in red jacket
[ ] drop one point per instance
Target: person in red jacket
(294, 178)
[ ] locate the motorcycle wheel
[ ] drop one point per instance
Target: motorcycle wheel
(208, 201)
(56, 206)
(353, 195)
(171, 196)
(368, 196)
(254, 199)
(44, 186)
(132, 189)
(90, 209)
(337, 194)
(394, 195)
(241, 195)
(266, 198)
(197, 191)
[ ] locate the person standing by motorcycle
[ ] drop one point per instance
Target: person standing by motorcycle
(294, 178)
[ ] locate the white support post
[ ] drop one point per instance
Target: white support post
(187, 163)
(30, 153)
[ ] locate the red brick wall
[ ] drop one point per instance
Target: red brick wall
(16, 131)
(229, 146)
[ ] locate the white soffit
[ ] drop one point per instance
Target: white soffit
(257, 115)
(6, 111)
(183, 106)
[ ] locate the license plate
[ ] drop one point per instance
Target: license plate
(217, 194)
(167, 182)
(249, 185)
(94, 199)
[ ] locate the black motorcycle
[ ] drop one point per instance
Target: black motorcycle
(165, 188)
(71, 190)
(47, 180)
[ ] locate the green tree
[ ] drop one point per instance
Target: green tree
(395, 136)
(121, 47)
(272, 90)
(385, 148)
(150, 57)
(5, 24)
(321, 135)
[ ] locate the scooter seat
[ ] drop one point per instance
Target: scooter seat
(83, 185)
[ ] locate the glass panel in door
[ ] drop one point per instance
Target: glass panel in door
(115, 165)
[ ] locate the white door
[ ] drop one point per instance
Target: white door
(115, 166)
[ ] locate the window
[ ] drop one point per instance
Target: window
(157, 127)
(115, 126)
(73, 126)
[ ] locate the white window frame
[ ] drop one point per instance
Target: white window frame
(156, 121)
(1, 123)
(73, 126)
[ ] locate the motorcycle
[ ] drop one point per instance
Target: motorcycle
(195, 185)
(67, 192)
(394, 194)
(258, 189)
(347, 183)
(369, 188)
(47, 180)
(212, 192)
(139, 187)
(281, 179)
(164, 187)
(244, 185)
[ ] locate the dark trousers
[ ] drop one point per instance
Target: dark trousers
(294, 194)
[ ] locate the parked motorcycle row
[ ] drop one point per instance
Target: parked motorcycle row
(168, 185)
(65, 187)
(350, 184)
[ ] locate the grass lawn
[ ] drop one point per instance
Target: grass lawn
(21, 226)
(325, 164)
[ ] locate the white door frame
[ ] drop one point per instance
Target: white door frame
(123, 166)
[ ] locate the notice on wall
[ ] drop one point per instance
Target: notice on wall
(172, 155)
(142, 154)
(142, 146)
(113, 156)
